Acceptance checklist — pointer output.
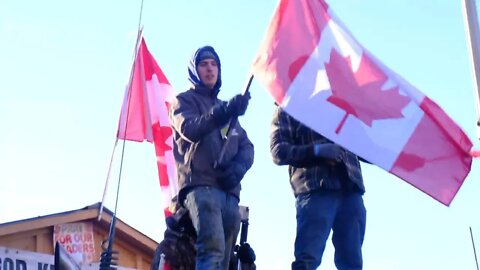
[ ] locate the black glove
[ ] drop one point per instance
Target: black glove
(231, 175)
(329, 151)
(237, 105)
(180, 222)
(220, 114)
(246, 254)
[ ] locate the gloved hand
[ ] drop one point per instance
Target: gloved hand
(246, 254)
(237, 105)
(328, 151)
(180, 222)
(231, 175)
(220, 114)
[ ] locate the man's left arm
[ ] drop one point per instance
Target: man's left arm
(235, 169)
(245, 152)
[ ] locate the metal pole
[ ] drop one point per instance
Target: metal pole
(472, 32)
(108, 256)
(473, 244)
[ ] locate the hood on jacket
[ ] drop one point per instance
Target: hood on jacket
(197, 57)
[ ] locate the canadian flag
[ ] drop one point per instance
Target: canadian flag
(316, 70)
(144, 117)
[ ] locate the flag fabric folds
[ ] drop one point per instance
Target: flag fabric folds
(317, 71)
(144, 117)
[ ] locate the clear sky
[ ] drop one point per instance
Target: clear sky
(63, 70)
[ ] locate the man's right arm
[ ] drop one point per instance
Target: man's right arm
(192, 125)
(282, 143)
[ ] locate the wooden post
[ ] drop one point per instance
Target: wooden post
(473, 35)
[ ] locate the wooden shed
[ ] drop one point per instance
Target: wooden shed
(33, 236)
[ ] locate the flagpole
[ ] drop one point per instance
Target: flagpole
(128, 93)
(473, 35)
(107, 256)
(473, 244)
(107, 181)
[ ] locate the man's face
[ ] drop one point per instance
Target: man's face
(208, 71)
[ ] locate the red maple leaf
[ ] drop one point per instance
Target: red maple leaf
(161, 135)
(360, 93)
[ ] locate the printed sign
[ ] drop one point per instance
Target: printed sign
(13, 259)
(77, 239)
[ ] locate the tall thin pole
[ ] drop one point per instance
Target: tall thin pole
(473, 244)
(473, 35)
(107, 181)
(108, 256)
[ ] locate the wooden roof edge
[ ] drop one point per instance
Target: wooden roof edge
(47, 220)
(87, 213)
(129, 233)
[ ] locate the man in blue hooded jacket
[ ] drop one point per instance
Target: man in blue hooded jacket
(210, 193)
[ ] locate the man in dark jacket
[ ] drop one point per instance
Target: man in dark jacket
(210, 193)
(327, 183)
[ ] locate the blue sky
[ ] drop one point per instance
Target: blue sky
(64, 66)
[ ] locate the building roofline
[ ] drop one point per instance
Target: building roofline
(88, 213)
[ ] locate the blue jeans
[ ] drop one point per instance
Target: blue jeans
(216, 219)
(320, 211)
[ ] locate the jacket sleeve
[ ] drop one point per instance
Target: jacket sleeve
(283, 148)
(187, 120)
(245, 152)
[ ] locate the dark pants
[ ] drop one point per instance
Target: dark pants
(319, 212)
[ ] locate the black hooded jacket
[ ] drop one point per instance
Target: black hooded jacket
(197, 137)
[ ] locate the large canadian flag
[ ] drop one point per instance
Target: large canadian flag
(144, 117)
(316, 70)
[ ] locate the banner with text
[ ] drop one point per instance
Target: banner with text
(13, 259)
(77, 239)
